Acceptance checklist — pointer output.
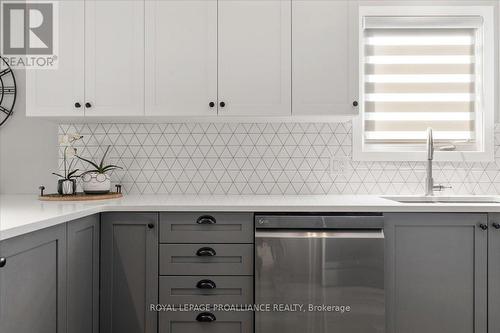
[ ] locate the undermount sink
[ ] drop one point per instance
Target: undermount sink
(443, 199)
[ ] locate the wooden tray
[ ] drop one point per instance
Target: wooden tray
(79, 196)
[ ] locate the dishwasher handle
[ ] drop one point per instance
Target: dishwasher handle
(341, 221)
(346, 234)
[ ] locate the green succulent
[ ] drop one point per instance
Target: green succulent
(100, 168)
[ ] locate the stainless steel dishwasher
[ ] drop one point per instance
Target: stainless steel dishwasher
(317, 261)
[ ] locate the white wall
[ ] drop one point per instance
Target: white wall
(28, 150)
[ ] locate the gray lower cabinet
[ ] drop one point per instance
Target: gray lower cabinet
(206, 259)
(33, 282)
(129, 272)
(214, 322)
(494, 273)
(83, 275)
(436, 272)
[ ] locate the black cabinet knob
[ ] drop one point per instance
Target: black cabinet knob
(206, 317)
(355, 103)
(496, 225)
(78, 105)
(88, 105)
(222, 104)
(206, 219)
(206, 252)
(483, 226)
(206, 284)
(211, 104)
(151, 225)
(3, 261)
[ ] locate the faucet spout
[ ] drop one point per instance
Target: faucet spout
(429, 181)
(430, 144)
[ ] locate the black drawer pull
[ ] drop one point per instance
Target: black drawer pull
(206, 252)
(483, 226)
(206, 284)
(205, 317)
(3, 261)
(496, 225)
(206, 219)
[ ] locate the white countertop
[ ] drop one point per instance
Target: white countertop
(21, 214)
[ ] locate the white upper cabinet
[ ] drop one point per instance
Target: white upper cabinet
(114, 58)
(254, 58)
(200, 59)
(60, 92)
(325, 57)
(181, 58)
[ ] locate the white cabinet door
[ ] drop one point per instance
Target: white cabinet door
(325, 57)
(56, 92)
(255, 58)
(114, 57)
(181, 57)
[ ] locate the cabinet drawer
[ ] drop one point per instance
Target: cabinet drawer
(206, 227)
(175, 290)
(195, 259)
(225, 322)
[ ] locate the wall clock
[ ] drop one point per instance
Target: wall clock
(7, 91)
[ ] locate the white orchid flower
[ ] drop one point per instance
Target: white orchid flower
(68, 139)
(64, 140)
(70, 152)
(75, 137)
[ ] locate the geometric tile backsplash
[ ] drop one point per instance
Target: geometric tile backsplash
(262, 158)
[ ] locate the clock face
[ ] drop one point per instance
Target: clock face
(7, 91)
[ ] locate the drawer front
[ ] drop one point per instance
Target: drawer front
(206, 227)
(225, 322)
(176, 290)
(192, 259)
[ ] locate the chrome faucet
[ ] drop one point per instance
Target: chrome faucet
(429, 181)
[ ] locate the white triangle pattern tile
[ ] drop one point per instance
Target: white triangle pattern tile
(261, 158)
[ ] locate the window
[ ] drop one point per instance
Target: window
(425, 67)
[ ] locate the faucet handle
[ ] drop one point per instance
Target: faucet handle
(440, 187)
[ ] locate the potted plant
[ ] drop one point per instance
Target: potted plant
(97, 180)
(67, 182)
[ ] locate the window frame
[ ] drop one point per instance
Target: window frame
(484, 129)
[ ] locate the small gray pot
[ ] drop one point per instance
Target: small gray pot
(66, 186)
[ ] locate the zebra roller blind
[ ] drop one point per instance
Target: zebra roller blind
(421, 72)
